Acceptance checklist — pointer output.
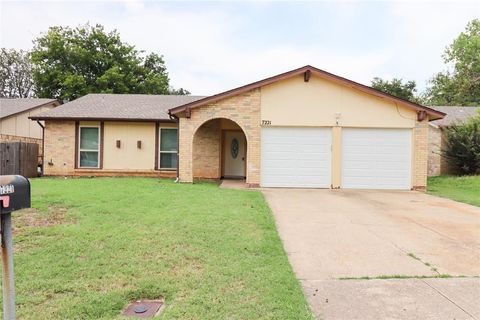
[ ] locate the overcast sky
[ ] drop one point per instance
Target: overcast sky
(210, 47)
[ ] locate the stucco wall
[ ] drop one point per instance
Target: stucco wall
(128, 156)
(293, 102)
(20, 125)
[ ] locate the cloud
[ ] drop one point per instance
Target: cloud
(211, 47)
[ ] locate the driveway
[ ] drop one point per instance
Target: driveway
(336, 238)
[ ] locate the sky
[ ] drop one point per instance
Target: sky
(210, 47)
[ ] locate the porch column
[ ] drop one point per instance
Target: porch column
(185, 142)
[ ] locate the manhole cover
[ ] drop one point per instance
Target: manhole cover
(143, 308)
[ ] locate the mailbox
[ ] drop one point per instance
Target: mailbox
(14, 193)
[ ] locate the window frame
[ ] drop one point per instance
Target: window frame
(98, 127)
(160, 128)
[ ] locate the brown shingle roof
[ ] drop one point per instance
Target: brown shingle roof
(11, 106)
(454, 114)
(132, 107)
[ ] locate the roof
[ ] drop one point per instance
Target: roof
(454, 114)
(12, 106)
(129, 107)
(307, 70)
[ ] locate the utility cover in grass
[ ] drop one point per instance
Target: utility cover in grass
(143, 308)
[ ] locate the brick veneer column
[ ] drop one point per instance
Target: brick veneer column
(420, 155)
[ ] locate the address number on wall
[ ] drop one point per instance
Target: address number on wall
(266, 122)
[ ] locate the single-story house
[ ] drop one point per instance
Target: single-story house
(15, 125)
(437, 164)
(305, 128)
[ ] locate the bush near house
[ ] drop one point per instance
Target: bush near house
(462, 146)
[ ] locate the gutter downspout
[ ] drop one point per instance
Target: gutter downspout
(42, 156)
(174, 117)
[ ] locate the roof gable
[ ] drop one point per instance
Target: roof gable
(307, 71)
(12, 106)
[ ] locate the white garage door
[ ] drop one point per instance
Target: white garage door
(296, 157)
(376, 158)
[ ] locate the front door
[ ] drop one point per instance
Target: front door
(234, 154)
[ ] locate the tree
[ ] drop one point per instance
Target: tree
(70, 63)
(397, 88)
(15, 74)
(459, 85)
(462, 146)
(179, 91)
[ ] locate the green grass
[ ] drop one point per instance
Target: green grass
(93, 245)
(464, 189)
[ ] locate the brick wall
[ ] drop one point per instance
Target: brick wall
(244, 109)
(206, 151)
(59, 148)
(420, 155)
(60, 155)
(434, 151)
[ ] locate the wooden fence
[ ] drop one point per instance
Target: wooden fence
(19, 158)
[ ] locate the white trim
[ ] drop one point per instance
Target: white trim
(160, 128)
(88, 150)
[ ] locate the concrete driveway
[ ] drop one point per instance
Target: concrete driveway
(406, 238)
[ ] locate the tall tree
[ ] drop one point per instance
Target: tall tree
(460, 84)
(70, 63)
(15, 74)
(397, 88)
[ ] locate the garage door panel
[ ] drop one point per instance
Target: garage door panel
(296, 157)
(376, 158)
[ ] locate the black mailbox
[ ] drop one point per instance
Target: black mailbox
(14, 193)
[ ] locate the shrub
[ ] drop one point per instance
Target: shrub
(462, 146)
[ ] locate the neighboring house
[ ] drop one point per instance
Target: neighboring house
(15, 124)
(14, 113)
(303, 128)
(437, 164)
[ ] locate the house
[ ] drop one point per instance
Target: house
(15, 124)
(14, 113)
(437, 164)
(305, 128)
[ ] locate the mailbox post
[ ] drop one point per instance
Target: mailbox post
(14, 195)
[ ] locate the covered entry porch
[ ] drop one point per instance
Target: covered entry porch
(219, 150)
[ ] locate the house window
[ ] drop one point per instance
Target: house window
(168, 149)
(89, 147)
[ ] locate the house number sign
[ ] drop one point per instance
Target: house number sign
(234, 148)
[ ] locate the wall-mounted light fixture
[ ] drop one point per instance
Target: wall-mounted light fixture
(338, 115)
(118, 144)
(139, 144)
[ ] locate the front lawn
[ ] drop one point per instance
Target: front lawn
(465, 189)
(92, 245)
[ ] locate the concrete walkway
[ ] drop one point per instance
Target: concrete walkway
(333, 234)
